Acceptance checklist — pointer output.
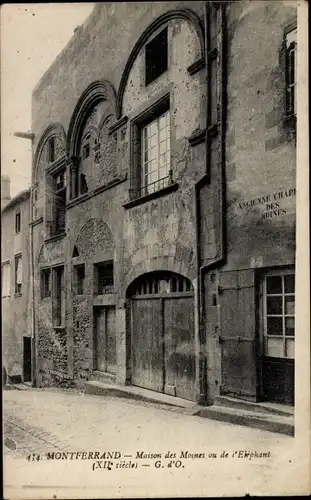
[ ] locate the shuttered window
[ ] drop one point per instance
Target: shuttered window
(18, 274)
(5, 279)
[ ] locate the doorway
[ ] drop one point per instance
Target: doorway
(27, 359)
(278, 336)
(162, 334)
(105, 339)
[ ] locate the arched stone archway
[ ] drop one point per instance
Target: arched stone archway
(161, 333)
(94, 237)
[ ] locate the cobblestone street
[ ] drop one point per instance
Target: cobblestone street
(40, 421)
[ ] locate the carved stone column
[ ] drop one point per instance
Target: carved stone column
(73, 165)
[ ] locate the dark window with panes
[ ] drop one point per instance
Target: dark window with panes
(45, 276)
(51, 150)
(291, 72)
(86, 151)
(17, 222)
(79, 279)
(104, 282)
(59, 202)
(58, 296)
(156, 53)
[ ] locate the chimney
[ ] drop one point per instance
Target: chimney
(76, 29)
(5, 190)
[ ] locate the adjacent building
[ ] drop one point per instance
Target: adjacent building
(15, 285)
(163, 201)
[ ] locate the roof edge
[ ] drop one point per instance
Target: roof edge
(22, 196)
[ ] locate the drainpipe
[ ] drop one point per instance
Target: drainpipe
(210, 131)
(199, 185)
(33, 323)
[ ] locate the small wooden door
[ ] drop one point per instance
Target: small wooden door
(147, 344)
(105, 339)
(237, 336)
(27, 359)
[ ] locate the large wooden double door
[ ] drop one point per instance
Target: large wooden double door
(162, 334)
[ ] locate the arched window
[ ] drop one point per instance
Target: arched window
(160, 282)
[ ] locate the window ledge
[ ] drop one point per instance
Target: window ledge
(100, 189)
(18, 294)
(197, 137)
(35, 222)
(59, 327)
(152, 196)
(55, 237)
(196, 66)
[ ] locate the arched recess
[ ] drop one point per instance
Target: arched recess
(96, 92)
(161, 333)
(53, 130)
(94, 238)
(184, 14)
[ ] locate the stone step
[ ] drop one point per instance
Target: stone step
(104, 377)
(261, 407)
(23, 386)
(132, 392)
(267, 421)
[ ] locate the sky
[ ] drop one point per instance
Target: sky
(32, 35)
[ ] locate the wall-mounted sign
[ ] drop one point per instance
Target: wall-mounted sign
(272, 204)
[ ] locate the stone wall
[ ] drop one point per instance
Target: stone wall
(15, 308)
(261, 152)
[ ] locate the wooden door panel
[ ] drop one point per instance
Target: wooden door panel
(237, 377)
(111, 339)
(147, 344)
(101, 339)
(179, 347)
(105, 339)
(237, 337)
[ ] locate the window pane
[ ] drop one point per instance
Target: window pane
(274, 284)
(290, 304)
(292, 67)
(274, 326)
(163, 147)
(274, 348)
(274, 305)
(289, 283)
(153, 128)
(290, 348)
(290, 326)
(162, 121)
(163, 134)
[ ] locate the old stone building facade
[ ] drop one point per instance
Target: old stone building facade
(163, 201)
(15, 285)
